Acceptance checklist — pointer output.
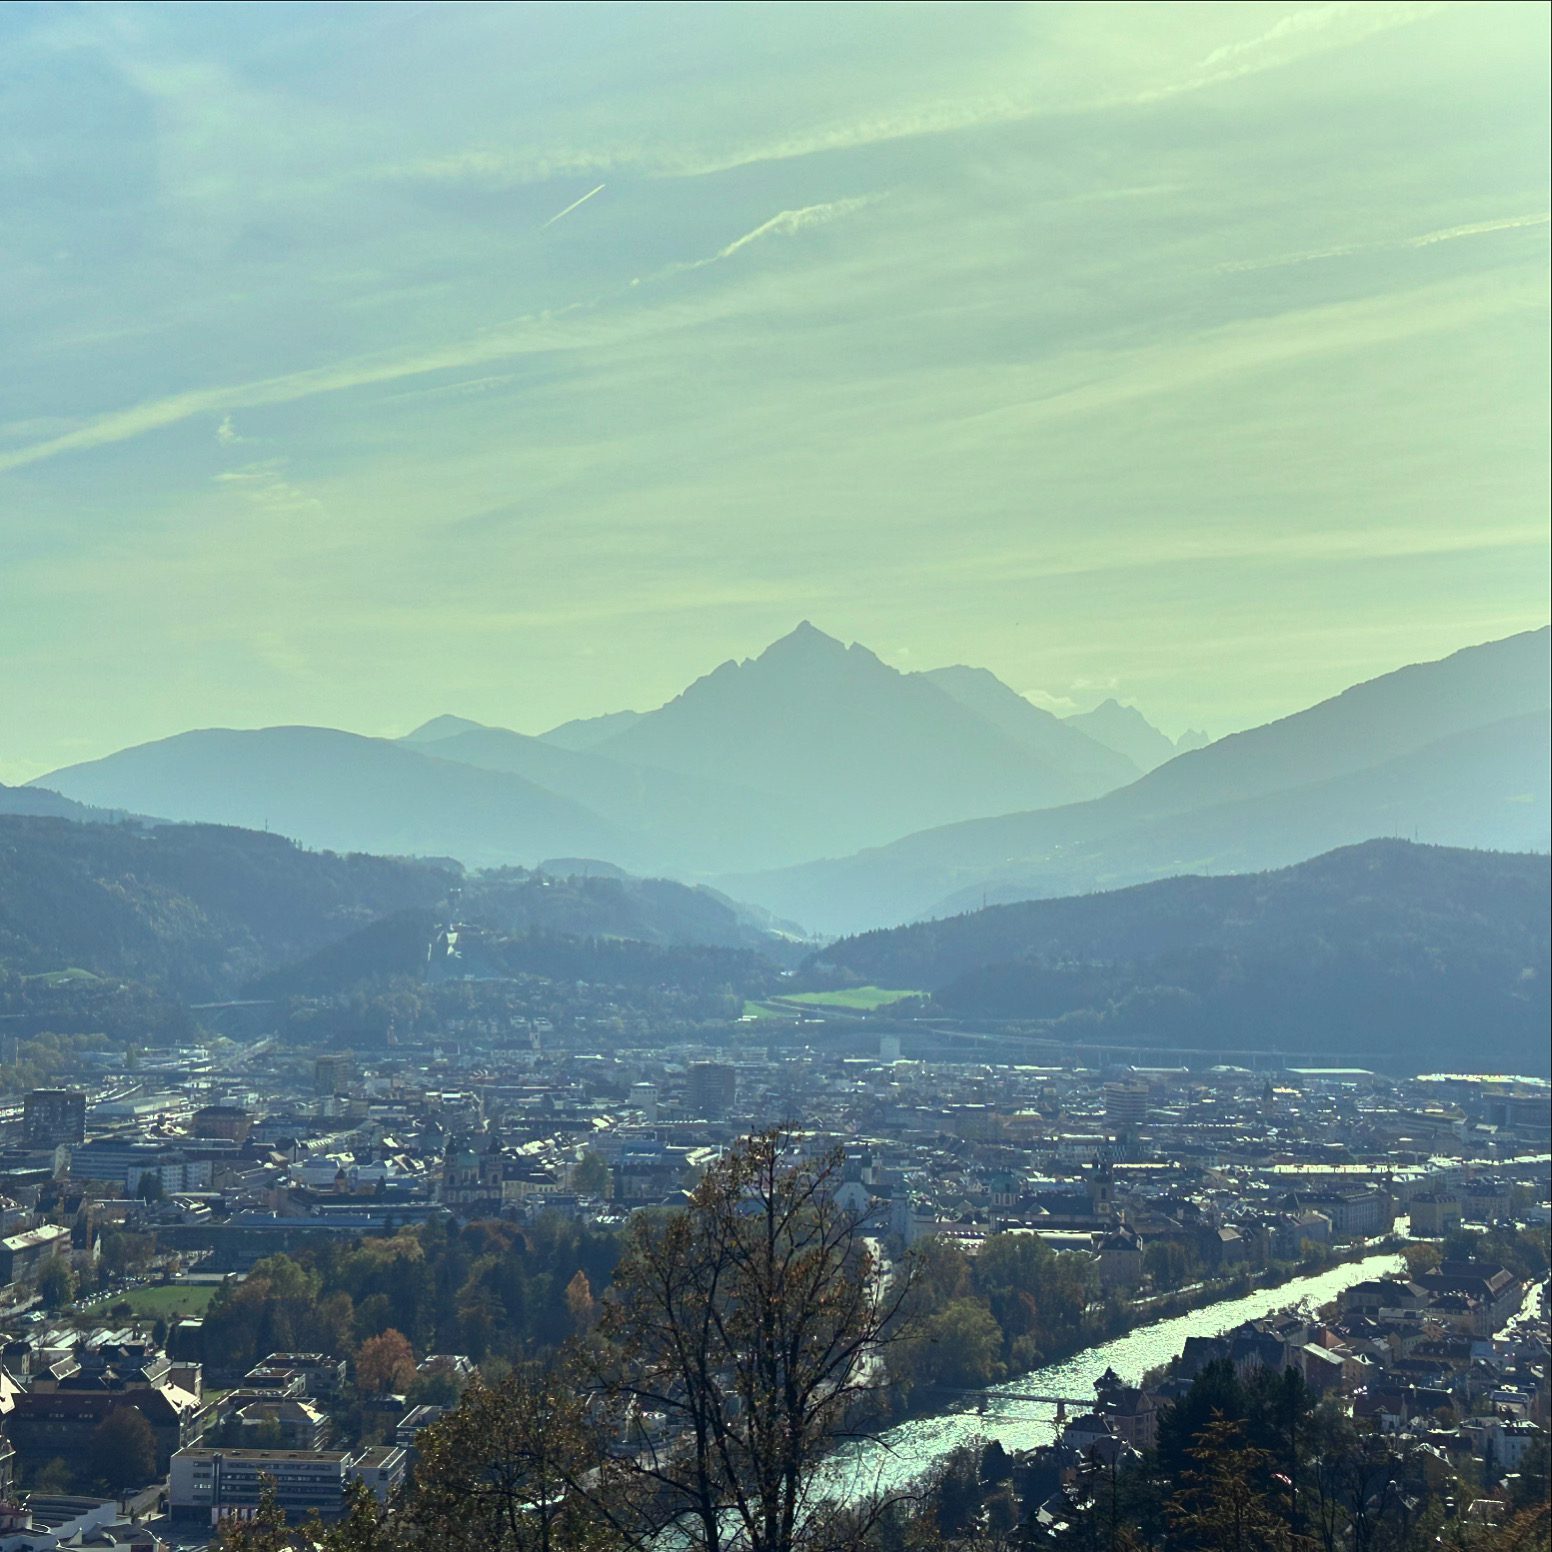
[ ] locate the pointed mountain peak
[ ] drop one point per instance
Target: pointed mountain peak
(441, 727)
(806, 639)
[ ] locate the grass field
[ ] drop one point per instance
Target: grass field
(63, 977)
(864, 997)
(763, 1010)
(162, 1303)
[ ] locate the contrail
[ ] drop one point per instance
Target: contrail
(573, 205)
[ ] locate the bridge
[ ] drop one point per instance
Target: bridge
(985, 1398)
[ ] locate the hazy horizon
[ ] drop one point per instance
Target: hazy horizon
(1191, 355)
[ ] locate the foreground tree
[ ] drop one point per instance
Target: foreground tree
(513, 1468)
(1223, 1503)
(738, 1345)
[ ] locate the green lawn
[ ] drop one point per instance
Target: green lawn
(62, 977)
(763, 1010)
(163, 1303)
(865, 997)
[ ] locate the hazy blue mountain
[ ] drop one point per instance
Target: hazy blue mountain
(586, 732)
(868, 753)
(441, 727)
(41, 801)
(1048, 737)
(681, 823)
(1390, 954)
(1484, 788)
(1453, 752)
(1126, 730)
(330, 789)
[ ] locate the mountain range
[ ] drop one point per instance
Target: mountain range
(818, 782)
(811, 749)
(1453, 752)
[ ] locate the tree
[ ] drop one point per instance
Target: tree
(591, 1175)
(1421, 1258)
(385, 1363)
(56, 1283)
(960, 1346)
(150, 1187)
(580, 1309)
(1167, 1264)
(754, 1323)
(1223, 1503)
(513, 1468)
(123, 1449)
(53, 1476)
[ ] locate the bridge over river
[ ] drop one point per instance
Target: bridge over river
(1036, 1403)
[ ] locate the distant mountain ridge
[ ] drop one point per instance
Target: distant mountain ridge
(347, 793)
(835, 790)
(1126, 730)
(811, 748)
(1455, 751)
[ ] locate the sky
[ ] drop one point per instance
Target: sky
(365, 363)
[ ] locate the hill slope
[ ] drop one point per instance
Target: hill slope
(1414, 956)
(205, 911)
(347, 793)
(1062, 742)
(681, 823)
(195, 910)
(1453, 752)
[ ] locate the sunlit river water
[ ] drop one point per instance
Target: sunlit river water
(904, 1453)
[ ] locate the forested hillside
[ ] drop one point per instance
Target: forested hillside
(196, 910)
(203, 912)
(1401, 952)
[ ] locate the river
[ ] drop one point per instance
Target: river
(907, 1451)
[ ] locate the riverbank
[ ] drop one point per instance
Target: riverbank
(1138, 1315)
(906, 1452)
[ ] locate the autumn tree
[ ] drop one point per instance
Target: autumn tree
(580, 1307)
(123, 1449)
(1223, 1502)
(513, 1468)
(385, 1363)
(752, 1323)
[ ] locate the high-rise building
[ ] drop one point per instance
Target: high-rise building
(713, 1088)
(332, 1074)
(1126, 1103)
(53, 1116)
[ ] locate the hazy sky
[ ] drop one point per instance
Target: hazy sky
(365, 363)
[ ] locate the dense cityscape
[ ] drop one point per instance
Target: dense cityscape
(239, 1268)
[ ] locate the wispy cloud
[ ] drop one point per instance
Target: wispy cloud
(1303, 32)
(226, 432)
(576, 326)
(786, 224)
(1391, 245)
(265, 485)
(560, 215)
